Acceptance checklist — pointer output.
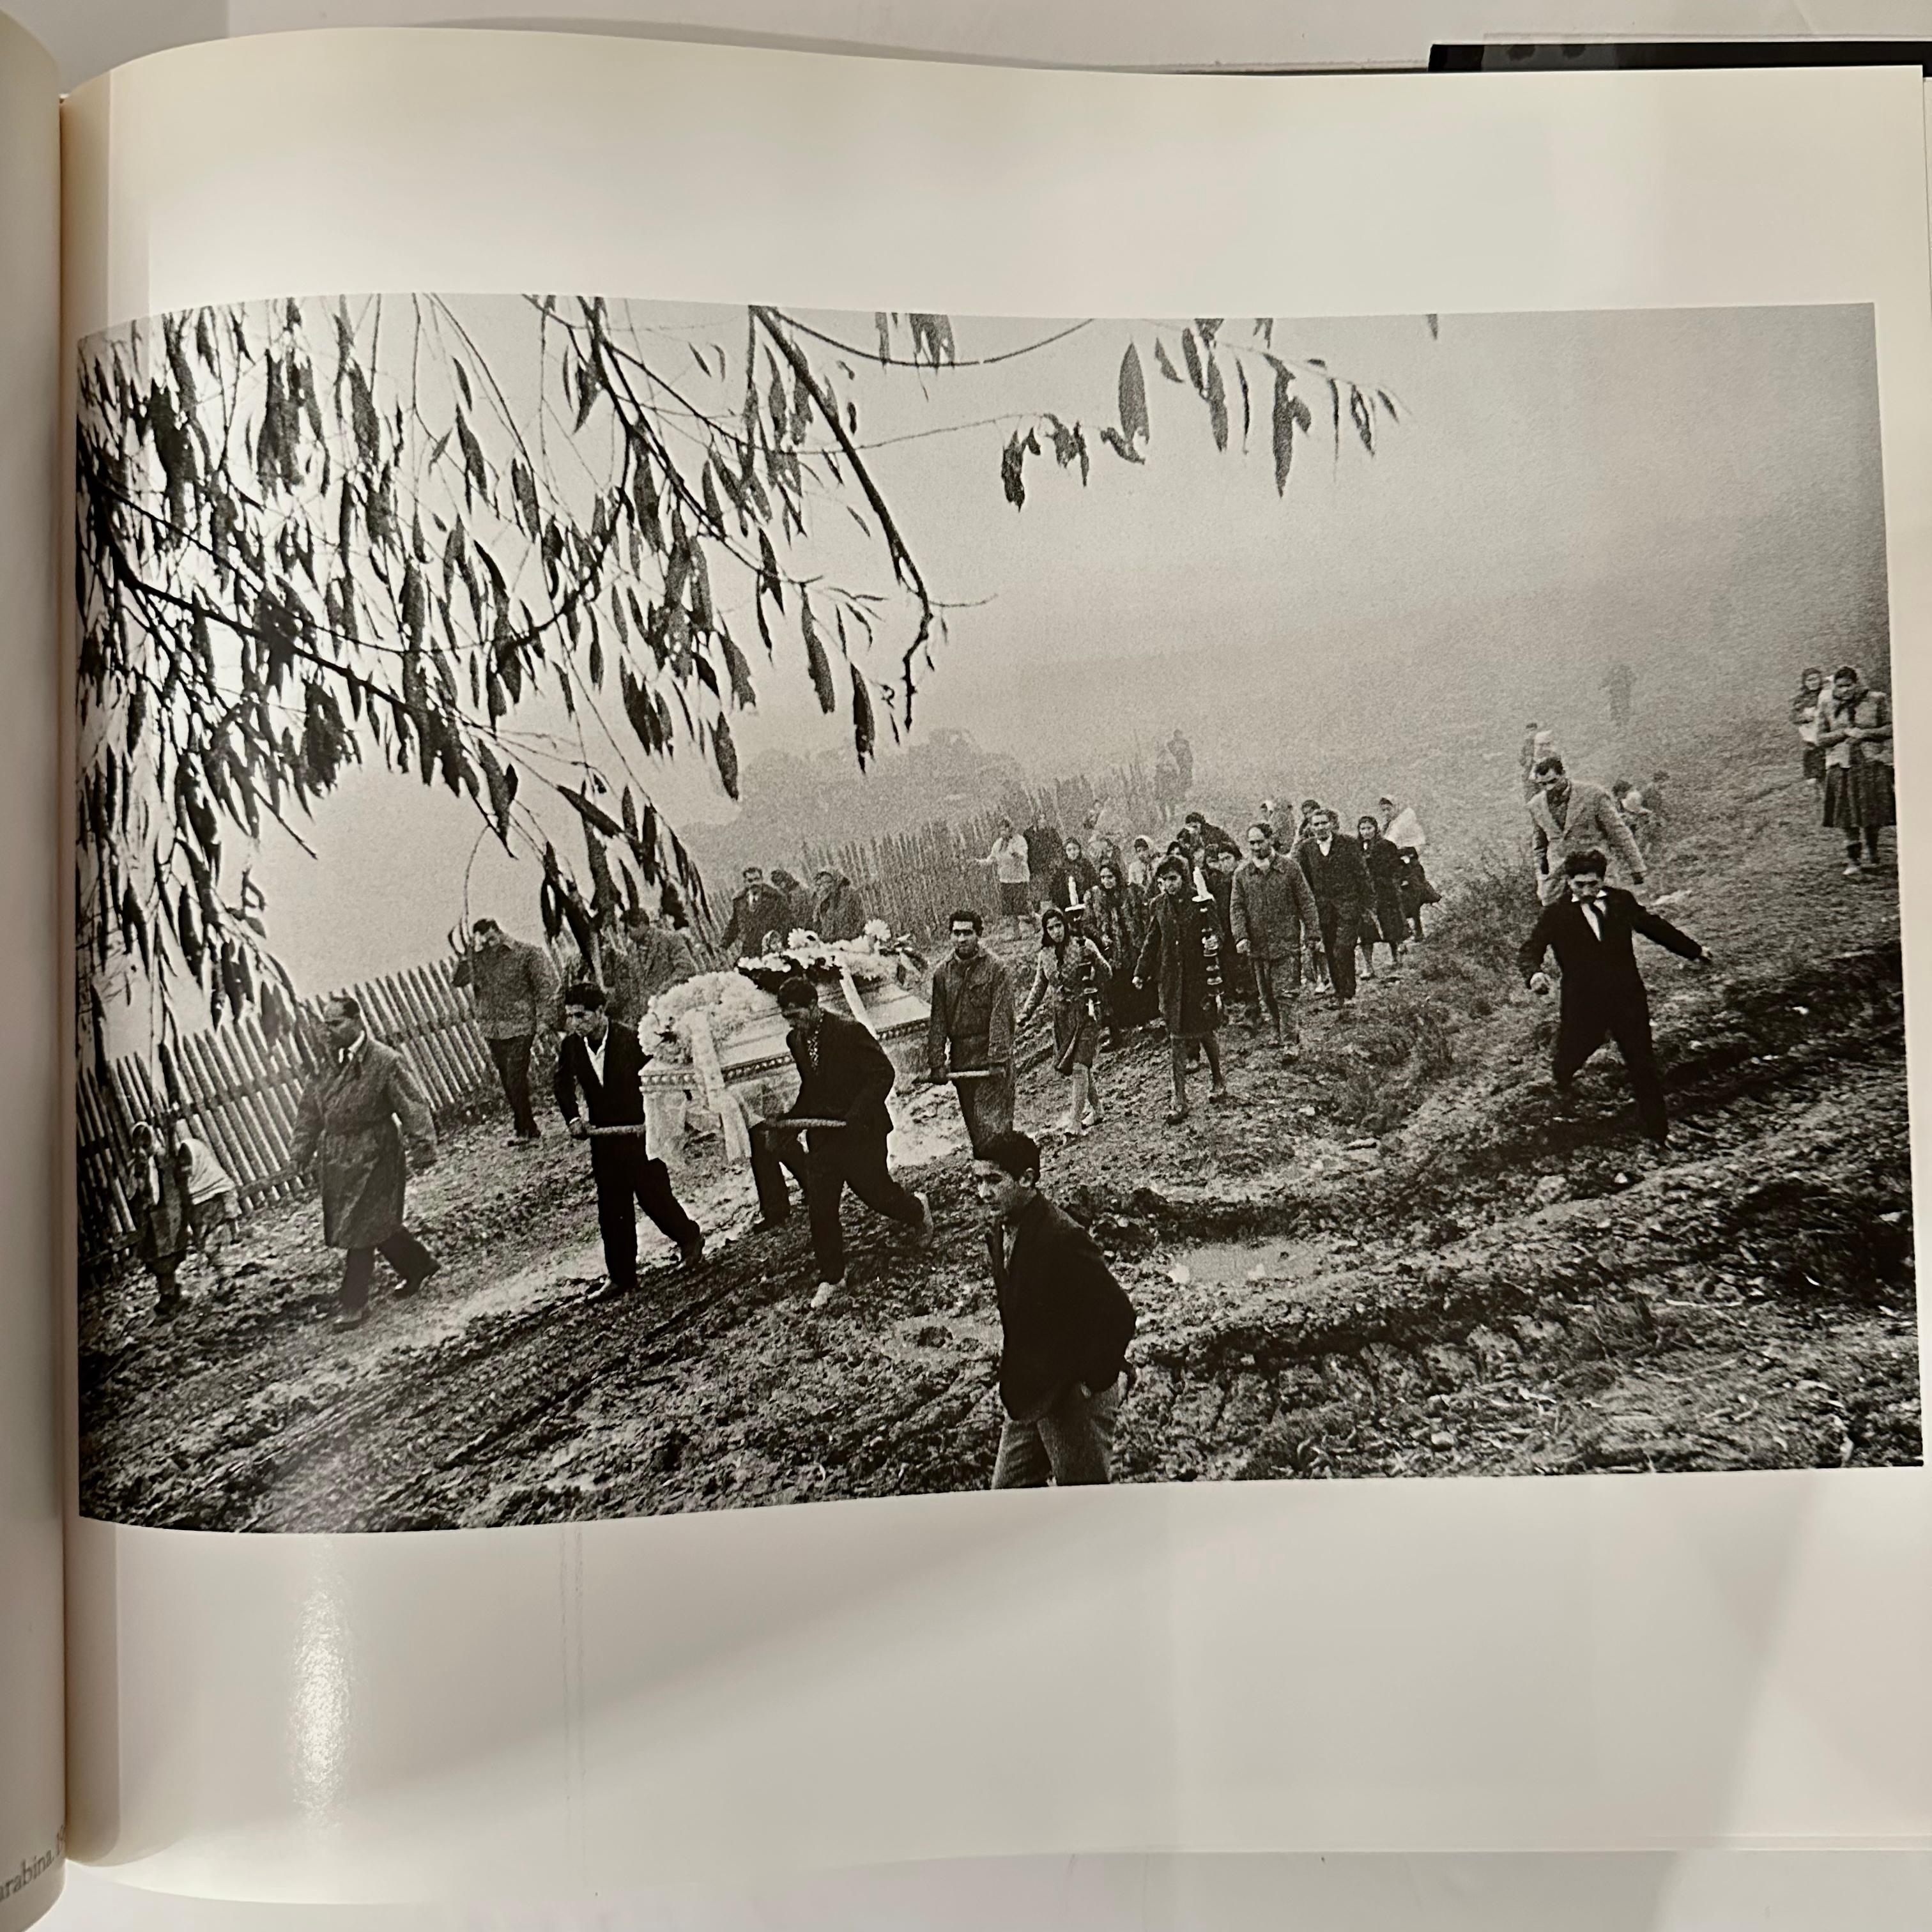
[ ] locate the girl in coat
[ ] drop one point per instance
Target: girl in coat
(1805, 708)
(1116, 923)
(1071, 971)
(1073, 878)
(1180, 955)
(1854, 733)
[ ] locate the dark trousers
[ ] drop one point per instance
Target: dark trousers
(1278, 986)
(512, 1057)
(834, 1159)
(402, 1251)
(1579, 1032)
(627, 1178)
(776, 1151)
(1340, 924)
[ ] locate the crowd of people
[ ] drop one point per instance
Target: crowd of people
(1113, 933)
(1128, 935)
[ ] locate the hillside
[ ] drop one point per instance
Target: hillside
(1398, 1258)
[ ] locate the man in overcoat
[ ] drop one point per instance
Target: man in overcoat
(363, 1127)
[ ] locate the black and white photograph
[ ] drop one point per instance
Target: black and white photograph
(689, 907)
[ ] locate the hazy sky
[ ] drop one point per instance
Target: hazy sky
(1685, 488)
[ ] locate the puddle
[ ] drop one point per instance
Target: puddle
(1241, 1264)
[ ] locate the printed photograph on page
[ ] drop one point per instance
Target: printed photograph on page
(684, 907)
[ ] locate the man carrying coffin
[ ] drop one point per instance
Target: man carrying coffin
(601, 1061)
(844, 1076)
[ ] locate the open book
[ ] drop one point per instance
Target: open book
(788, 792)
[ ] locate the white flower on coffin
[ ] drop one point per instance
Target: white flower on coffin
(879, 933)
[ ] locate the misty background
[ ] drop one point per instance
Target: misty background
(1697, 493)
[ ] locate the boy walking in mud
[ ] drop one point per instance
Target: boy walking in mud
(600, 1060)
(1603, 993)
(1065, 1325)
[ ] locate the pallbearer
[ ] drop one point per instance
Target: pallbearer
(364, 1127)
(969, 1037)
(602, 1061)
(844, 1076)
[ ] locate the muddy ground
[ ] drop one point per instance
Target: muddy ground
(1399, 1258)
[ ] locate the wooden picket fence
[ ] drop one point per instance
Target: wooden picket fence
(915, 880)
(239, 1092)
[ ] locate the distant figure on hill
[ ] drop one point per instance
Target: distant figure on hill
(1590, 929)
(1619, 681)
(1855, 731)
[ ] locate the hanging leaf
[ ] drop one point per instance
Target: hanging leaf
(1283, 427)
(1190, 350)
(1364, 419)
(819, 664)
(1435, 328)
(864, 735)
(1134, 424)
(1217, 403)
(726, 754)
(1161, 361)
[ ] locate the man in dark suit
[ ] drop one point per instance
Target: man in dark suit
(1339, 877)
(1065, 1323)
(600, 1060)
(843, 1075)
(1590, 931)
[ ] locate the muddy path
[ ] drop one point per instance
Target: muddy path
(1400, 1256)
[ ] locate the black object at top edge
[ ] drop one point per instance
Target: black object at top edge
(1587, 56)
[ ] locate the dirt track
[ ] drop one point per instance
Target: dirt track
(1481, 1284)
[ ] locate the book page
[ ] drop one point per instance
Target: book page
(672, 589)
(32, 1795)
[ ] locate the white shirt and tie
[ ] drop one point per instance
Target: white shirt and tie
(1593, 914)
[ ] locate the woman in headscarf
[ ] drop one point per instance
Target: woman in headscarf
(1117, 922)
(1073, 878)
(1071, 971)
(1854, 733)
